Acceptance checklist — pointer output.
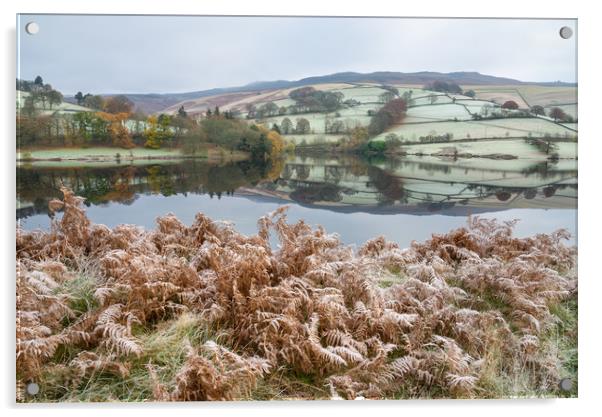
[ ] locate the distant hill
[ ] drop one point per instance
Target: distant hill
(157, 102)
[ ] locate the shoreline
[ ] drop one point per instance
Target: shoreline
(320, 150)
(108, 155)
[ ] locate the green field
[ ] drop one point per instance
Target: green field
(499, 128)
(436, 112)
(475, 106)
(571, 125)
(570, 109)
(448, 114)
(439, 98)
(96, 153)
(63, 108)
(516, 147)
(363, 94)
(452, 114)
(526, 95)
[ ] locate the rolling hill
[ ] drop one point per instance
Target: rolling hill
(157, 102)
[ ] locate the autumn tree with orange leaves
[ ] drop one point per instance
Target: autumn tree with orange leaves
(119, 134)
(277, 143)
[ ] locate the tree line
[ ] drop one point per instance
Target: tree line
(307, 100)
(40, 94)
(232, 134)
(113, 121)
(388, 115)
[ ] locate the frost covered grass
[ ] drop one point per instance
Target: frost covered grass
(441, 98)
(205, 313)
(533, 94)
(433, 113)
(362, 93)
(97, 152)
(103, 156)
(499, 128)
(437, 112)
(515, 147)
(570, 109)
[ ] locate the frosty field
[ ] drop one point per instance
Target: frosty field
(445, 114)
(436, 112)
(501, 128)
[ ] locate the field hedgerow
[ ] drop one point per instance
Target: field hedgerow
(205, 313)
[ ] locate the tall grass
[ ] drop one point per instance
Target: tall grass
(206, 313)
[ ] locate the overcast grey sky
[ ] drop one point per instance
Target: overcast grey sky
(113, 54)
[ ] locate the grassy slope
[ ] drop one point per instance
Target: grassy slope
(423, 118)
(485, 129)
(526, 95)
(514, 147)
(445, 117)
(63, 108)
(366, 94)
(441, 117)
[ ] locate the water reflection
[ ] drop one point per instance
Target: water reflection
(427, 185)
(124, 184)
(342, 185)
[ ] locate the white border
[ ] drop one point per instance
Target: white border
(590, 151)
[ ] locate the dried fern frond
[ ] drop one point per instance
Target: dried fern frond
(87, 363)
(311, 306)
(223, 375)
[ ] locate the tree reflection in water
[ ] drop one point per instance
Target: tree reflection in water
(331, 182)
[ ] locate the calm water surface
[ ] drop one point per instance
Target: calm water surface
(402, 199)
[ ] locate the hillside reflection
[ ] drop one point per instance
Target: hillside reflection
(419, 185)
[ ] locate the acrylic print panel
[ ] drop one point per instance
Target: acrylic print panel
(286, 208)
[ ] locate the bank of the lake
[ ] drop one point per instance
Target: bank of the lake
(111, 154)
